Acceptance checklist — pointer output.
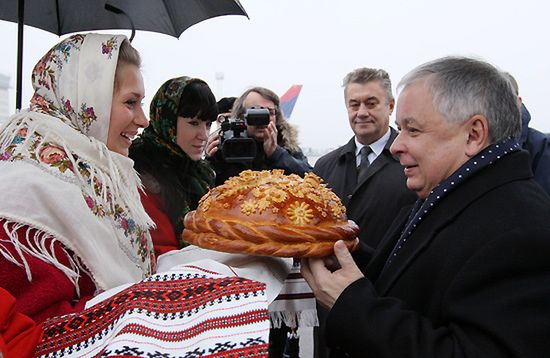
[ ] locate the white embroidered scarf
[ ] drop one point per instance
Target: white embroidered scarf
(60, 181)
(189, 311)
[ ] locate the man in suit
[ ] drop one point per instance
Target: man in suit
(373, 191)
(465, 272)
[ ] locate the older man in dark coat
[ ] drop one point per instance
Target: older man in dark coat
(363, 173)
(465, 273)
(373, 191)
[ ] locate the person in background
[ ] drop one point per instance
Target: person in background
(364, 173)
(465, 271)
(276, 143)
(71, 222)
(277, 148)
(533, 141)
(224, 110)
(168, 156)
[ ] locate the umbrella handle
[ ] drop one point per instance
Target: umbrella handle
(20, 24)
(118, 11)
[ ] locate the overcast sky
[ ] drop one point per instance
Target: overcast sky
(316, 42)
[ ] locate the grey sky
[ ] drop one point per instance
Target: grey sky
(316, 42)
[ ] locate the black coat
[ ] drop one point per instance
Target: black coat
(473, 279)
(373, 203)
(538, 146)
(291, 162)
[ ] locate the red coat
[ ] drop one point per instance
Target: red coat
(19, 335)
(164, 235)
(50, 293)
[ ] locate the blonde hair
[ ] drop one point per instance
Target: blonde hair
(127, 55)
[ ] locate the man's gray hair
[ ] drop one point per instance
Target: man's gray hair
(364, 75)
(463, 87)
(513, 82)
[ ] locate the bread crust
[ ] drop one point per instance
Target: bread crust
(272, 214)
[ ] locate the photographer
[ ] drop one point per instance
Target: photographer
(276, 143)
(224, 110)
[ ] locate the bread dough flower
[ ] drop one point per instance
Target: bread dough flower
(300, 213)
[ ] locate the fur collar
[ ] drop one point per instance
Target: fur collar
(288, 136)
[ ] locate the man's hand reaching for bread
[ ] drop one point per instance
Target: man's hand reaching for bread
(327, 285)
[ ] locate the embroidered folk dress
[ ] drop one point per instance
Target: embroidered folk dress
(71, 222)
(72, 225)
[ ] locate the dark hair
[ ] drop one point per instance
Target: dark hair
(225, 104)
(197, 100)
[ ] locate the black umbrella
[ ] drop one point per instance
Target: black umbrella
(62, 17)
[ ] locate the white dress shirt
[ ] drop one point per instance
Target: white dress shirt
(376, 148)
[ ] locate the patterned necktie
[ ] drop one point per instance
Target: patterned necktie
(364, 164)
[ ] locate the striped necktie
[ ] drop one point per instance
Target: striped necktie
(364, 164)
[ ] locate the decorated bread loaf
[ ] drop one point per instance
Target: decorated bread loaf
(269, 213)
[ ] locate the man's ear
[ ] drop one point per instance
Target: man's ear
(478, 134)
(392, 105)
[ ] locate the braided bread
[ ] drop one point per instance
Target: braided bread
(272, 214)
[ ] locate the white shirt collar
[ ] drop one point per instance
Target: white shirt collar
(377, 147)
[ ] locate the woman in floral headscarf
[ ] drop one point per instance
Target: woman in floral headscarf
(168, 154)
(71, 222)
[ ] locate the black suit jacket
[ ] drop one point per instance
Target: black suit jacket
(473, 279)
(373, 203)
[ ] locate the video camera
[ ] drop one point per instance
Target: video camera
(235, 145)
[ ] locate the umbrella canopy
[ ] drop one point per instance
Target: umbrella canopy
(61, 17)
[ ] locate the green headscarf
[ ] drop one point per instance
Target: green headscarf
(163, 115)
(183, 181)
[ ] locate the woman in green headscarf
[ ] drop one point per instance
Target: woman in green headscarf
(168, 156)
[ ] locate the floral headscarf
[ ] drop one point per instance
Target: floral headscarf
(54, 160)
(157, 152)
(164, 114)
(66, 84)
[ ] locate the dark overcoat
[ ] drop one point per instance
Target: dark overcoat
(473, 279)
(373, 203)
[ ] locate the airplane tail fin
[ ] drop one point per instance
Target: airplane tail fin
(288, 100)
